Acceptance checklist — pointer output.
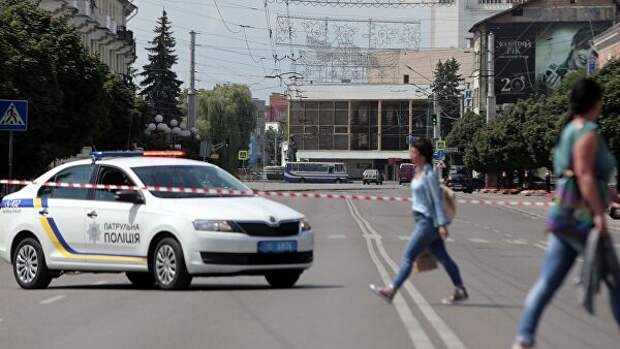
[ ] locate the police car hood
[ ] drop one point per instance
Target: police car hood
(231, 208)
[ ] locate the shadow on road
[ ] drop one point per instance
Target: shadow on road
(193, 287)
(481, 305)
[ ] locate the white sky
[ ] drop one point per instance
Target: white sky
(236, 65)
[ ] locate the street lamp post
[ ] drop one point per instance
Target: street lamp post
(171, 130)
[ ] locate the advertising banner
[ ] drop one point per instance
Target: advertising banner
(564, 48)
(515, 54)
(536, 57)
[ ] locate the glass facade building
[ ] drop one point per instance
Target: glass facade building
(371, 125)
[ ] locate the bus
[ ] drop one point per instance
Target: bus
(316, 172)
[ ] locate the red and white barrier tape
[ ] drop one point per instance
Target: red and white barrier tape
(281, 194)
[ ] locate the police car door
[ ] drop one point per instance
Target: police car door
(62, 214)
(113, 226)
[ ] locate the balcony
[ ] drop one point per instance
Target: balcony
(84, 7)
(125, 34)
(494, 5)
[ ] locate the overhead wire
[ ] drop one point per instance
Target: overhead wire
(223, 20)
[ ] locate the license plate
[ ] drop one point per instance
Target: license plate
(277, 246)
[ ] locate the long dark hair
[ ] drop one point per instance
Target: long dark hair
(584, 96)
(425, 147)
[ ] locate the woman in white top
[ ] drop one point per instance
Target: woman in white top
(431, 226)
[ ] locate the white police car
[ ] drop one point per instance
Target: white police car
(156, 238)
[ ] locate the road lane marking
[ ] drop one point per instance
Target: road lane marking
(516, 242)
(450, 240)
(1, 319)
(448, 337)
(414, 329)
(337, 236)
(541, 246)
(52, 300)
(403, 237)
(479, 241)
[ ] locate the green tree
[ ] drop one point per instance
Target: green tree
(44, 62)
(500, 145)
(124, 124)
(609, 77)
(227, 115)
(161, 88)
(447, 92)
(463, 131)
(272, 138)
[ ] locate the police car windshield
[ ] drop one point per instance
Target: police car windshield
(199, 177)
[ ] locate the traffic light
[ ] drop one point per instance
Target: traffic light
(434, 118)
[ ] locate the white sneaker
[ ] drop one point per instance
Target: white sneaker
(382, 293)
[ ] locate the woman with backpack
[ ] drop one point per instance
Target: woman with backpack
(431, 226)
(584, 164)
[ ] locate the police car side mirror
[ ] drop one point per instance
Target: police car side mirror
(130, 196)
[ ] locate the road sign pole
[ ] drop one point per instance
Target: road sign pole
(8, 187)
(10, 154)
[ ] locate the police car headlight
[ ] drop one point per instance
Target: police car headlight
(305, 225)
(213, 225)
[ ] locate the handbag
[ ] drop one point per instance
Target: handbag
(569, 214)
(425, 262)
(449, 202)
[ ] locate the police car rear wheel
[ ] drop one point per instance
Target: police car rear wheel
(29, 265)
(169, 266)
(283, 278)
(141, 280)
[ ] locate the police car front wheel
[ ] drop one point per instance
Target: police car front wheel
(169, 265)
(29, 265)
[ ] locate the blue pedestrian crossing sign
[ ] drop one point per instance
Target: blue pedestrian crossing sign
(13, 115)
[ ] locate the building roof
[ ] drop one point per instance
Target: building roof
(606, 38)
(327, 92)
(576, 7)
(499, 14)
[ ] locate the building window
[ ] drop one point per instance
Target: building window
(406, 79)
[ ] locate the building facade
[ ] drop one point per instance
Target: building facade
(537, 44)
(607, 45)
(364, 126)
(417, 67)
(450, 23)
(278, 107)
(102, 25)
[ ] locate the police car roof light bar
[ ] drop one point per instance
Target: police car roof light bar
(165, 153)
(98, 155)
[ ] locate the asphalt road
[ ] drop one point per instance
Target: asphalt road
(499, 251)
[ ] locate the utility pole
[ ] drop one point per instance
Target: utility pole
(491, 77)
(437, 112)
(191, 95)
